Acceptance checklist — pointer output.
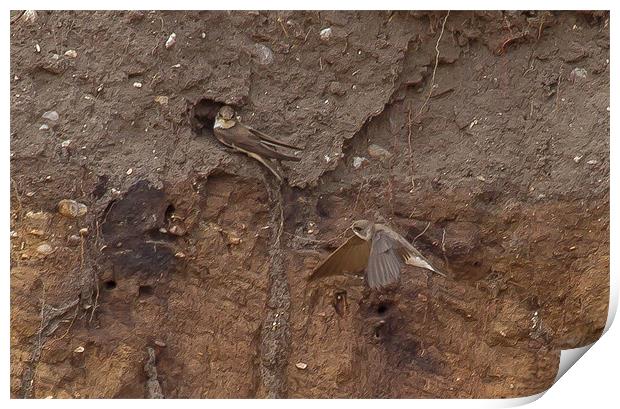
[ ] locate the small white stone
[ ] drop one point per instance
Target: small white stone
(301, 365)
(203, 35)
(264, 54)
(51, 115)
(37, 47)
(66, 143)
(129, 171)
(171, 40)
(137, 84)
(30, 15)
(44, 127)
(577, 158)
(592, 162)
(326, 33)
(79, 350)
(358, 161)
(162, 100)
(45, 249)
(71, 53)
(176, 66)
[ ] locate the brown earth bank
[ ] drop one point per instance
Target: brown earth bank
(483, 137)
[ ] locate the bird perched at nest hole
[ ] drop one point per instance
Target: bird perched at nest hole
(377, 249)
(258, 145)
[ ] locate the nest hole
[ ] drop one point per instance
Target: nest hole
(109, 285)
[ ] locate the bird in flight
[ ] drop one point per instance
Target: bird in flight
(378, 250)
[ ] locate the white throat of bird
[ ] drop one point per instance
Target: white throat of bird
(223, 124)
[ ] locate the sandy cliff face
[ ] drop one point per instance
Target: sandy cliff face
(500, 175)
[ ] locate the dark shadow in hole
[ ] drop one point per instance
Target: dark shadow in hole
(202, 115)
(169, 212)
(382, 308)
(109, 285)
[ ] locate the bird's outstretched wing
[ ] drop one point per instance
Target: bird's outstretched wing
(351, 257)
(408, 254)
(384, 262)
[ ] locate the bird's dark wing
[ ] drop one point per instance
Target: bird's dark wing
(351, 257)
(270, 140)
(240, 137)
(384, 262)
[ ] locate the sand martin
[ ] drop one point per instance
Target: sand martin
(258, 145)
(377, 249)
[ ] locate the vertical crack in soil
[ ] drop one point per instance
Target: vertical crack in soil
(153, 388)
(275, 332)
(50, 320)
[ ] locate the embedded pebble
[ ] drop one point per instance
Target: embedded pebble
(378, 152)
(83, 231)
(177, 230)
(74, 239)
(45, 249)
(37, 47)
(171, 40)
(264, 54)
(233, 239)
(592, 162)
(71, 208)
(29, 15)
(160, 343)
(326, 34)
(129, 171)
(578, 73)
(79, 350)
(37, 215)
(137, 84)
(71, 53)
(203, 35)
(577, 158)
(161, 99)
(66, 143)
(44, 127)
(51, 115)
(301, 365)
(37, 232)
(358, 161)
